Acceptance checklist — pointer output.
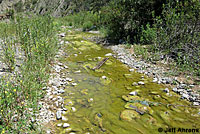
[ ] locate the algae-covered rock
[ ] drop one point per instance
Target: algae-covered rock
(156, 97)
(128, 76)
(131, 98)
(84, 91)
(129, 115)
(105, 81)
(138, 107)
(128, 87)
(165, 116)
(108, 62)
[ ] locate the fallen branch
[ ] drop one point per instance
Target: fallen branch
(100, 64)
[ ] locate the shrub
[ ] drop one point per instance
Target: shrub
(178, 33)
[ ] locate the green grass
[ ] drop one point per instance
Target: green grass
(35, 37)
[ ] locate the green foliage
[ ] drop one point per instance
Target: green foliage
(35, 39)
(125, 18)
(178, 33)
(148, 35)
(87, 20)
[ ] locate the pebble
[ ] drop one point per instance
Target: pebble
(185, 96)
(64, 118)
(77, 71)
(68, 79)
(59, 125)
(108, 54)
(73, 109)
(133, 93)
(175, 89)
(58, 115)
(74, 84)
(103, 77)
(155, 80)
(48, 131)
(131, 70)
(196, 103)
(141, 83)
(65, 125)
(166, 90)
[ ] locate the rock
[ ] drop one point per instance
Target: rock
(90, 100)
(65, 125)
(175, 89)
(61, 34)
(58, 115)
(79, 71)
(133, 93)
(134, 84)
(64, 118)
(155, 80)
(66, 67)
(109, 54)
(103, 77)
(68, 79)
(61, 91)
(48, 131)
(166, 90)
(74, 84)
(140, 83)
(129, 115)
(73, 109)
(131, 70)
(59, 125)
(196, 103)
(185, 96)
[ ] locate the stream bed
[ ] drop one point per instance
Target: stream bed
(114, 99)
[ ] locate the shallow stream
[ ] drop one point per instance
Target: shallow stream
(100, 102)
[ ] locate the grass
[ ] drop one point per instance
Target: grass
(35, 39)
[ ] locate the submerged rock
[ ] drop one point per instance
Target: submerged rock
(133, 93)
(140, 108)
(65, 125)
(129, 115)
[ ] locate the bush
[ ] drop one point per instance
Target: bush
(36, 41)
(148, 35)
(125, 18)
(178, 33)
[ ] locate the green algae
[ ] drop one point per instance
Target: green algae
(109, 111)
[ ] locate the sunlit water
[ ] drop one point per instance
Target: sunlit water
(98, 100)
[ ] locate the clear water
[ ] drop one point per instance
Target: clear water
(99, 102)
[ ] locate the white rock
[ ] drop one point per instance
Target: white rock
(58, 115)
(74, 84)
(68, 79)
(73, 109)
(59, 125)
(155, 79)
(64, 118)
(141, 83)
(103, 77)
(109, 54)
(133, 93)
(131, 70)
(65, 125)
(48, 131)
(77, 71)
(195, 103)
(66, 67)
(186, 96)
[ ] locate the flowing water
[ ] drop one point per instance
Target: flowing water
(101, 100)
